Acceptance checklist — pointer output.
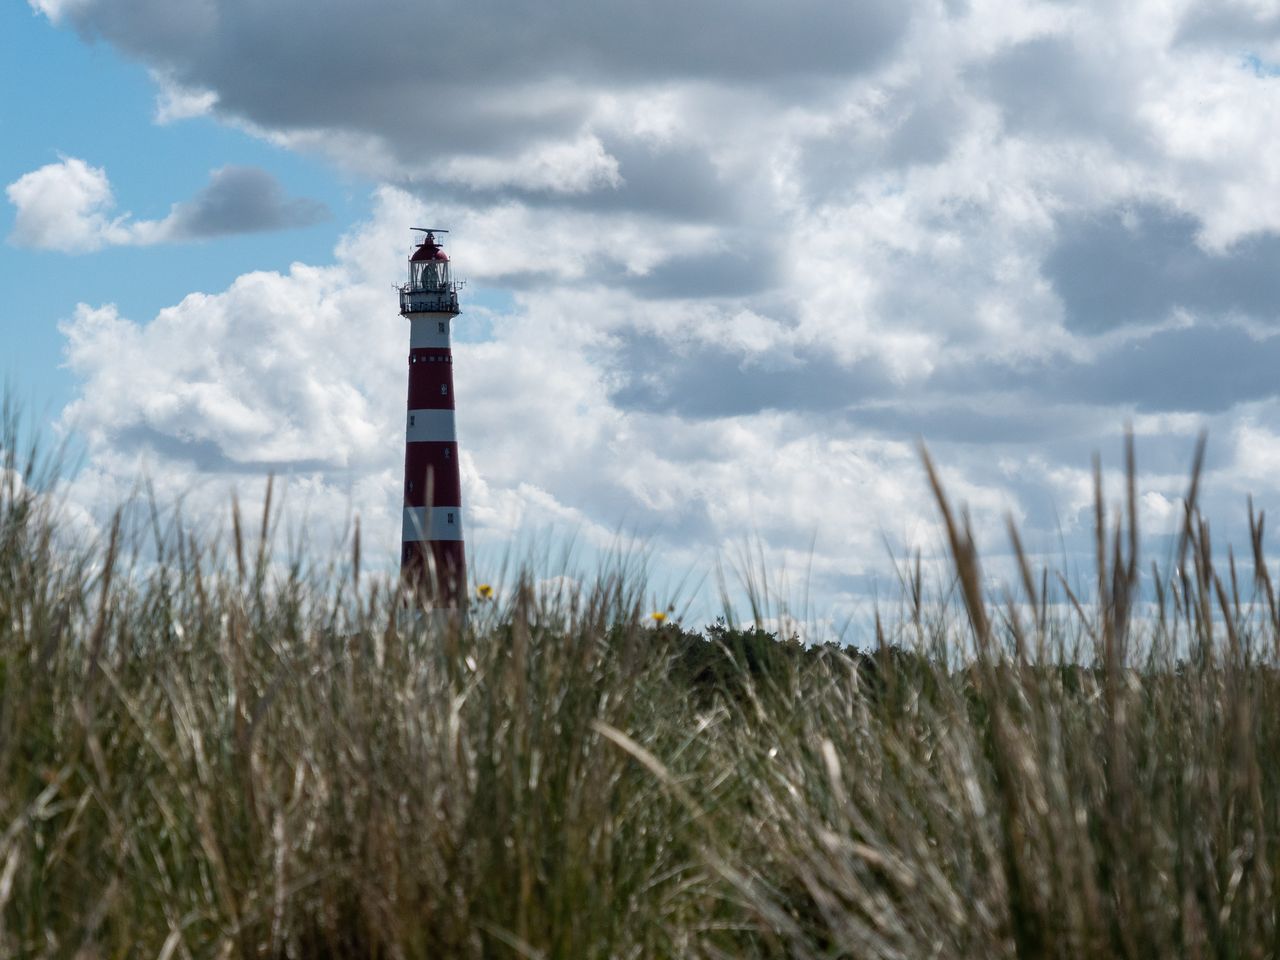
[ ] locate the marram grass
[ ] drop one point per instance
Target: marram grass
(202, 756)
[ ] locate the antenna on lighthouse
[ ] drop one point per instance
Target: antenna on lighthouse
(429, 240)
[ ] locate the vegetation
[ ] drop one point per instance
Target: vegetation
(201, 756)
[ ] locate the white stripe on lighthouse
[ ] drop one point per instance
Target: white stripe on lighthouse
(432, 523)
(425, 332)
(430, 425)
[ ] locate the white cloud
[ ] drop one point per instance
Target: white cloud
(66, 206)
(175, 102)
(220, 389)
(1256, 452)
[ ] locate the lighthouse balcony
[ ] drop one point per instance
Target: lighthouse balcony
(428, 301)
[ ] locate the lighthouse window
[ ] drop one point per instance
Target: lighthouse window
(411, 419)
(441, 326)
(444, 389)
(411, 486)
(451, 518)
(446, 453)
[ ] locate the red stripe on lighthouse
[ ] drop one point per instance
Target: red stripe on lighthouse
(431, 380)
(431, 470)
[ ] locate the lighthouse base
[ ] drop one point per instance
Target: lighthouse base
(436, 571)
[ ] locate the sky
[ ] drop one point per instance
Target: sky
(729, 263)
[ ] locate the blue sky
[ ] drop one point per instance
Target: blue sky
(723, 280)
(66, 97)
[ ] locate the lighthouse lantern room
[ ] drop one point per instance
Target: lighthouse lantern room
(433, 558)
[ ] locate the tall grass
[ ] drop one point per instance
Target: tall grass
(213, 755)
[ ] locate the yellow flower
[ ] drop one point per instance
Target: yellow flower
(658, 616)
(485, 591)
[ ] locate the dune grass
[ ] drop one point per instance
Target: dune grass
(211, 755)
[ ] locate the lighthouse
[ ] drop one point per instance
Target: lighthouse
(432, 556)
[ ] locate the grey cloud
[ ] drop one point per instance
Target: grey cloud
(675, 181)
(207, 456)
(752, 270)
(1137, 264)
(687, 521)
(976, 417)
(925, 133)
(241, 200)
(1106, 276)
(334, 42)
(736, 274)
(1202, 368)
(997, 411)
(1205, 368)
(436, 77)
(1007, 439)
(908, 130)
(669, 181)
(1232, 24)
(1048, 86)
(994, 411)
(697, 381)
(297, 63)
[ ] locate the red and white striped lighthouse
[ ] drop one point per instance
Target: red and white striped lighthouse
(432, 539)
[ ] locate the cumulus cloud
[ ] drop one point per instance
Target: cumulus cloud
(221, 389)
(754, 251)
(65, 206)
(69, 206)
